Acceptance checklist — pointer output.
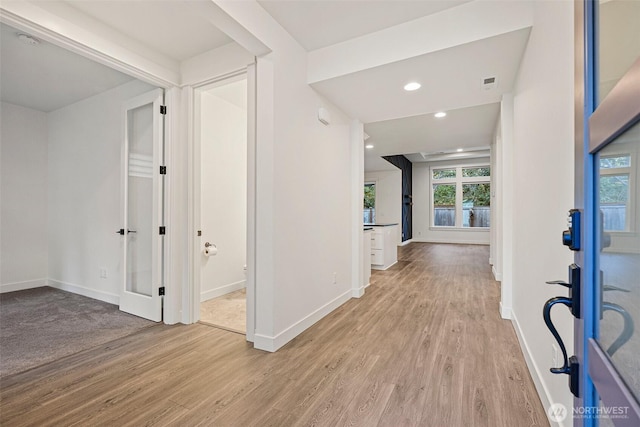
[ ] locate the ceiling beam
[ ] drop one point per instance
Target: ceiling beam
(463, 24)
(60, 24)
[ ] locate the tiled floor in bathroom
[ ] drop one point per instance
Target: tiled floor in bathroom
(227, 312)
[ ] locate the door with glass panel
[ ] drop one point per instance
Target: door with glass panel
(613, 136)
(142, 218)
(604, 229)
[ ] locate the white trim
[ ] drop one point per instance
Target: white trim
(405, 243)
(65, 34)
(20, 286)
(496, 275)
(505, 312)
(81, 290)
(358, 292)
(449, 241)
(379, 267)
(358, 273)
(222, 290)
(464, 229)
(534, 371)
(195, 295)
(251, 203)
(272, 344)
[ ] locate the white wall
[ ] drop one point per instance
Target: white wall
(388, 197)
(223, 136)
(543, 178)
(84, 192)
(23, 216)
(422, 229)
(304, 192)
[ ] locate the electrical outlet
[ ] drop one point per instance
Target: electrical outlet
(554, 356)
(335, 277)
(103, 272)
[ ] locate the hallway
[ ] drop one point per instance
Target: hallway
(425, 346)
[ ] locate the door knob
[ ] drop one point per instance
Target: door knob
(120, 232)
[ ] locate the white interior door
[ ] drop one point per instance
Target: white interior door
(143, 186)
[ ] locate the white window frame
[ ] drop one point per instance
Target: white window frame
(631, 171)
(459, 180)
(375, 203)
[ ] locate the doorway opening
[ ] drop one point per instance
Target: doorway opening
(221, 259)
(82, 198)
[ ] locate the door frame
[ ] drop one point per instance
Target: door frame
(194, 197)
(62, 35)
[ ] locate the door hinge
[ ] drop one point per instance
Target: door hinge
(163, 109)
(163, 230)
(161, 291)
(163, 170)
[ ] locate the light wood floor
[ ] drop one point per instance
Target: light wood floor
(423, 347)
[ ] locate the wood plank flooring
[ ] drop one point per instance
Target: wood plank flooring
(424, 346)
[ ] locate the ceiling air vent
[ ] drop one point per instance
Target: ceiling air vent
(489, 83)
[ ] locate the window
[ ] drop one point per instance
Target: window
(461, 196)
(614, 191)
(369, 215)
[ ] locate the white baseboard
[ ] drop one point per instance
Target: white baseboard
(505, 312)
(496, 275)
(267, 343)
(382, 267)
(456, 242)
(81, 290)
(222, 290)
(20, 286)
(358, 292)
(406, 242)
(540, 385)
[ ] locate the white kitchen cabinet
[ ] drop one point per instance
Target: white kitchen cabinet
(384, 248)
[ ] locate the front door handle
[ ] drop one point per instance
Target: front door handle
(570, 365)
(546, 314)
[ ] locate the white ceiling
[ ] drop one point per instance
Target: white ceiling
(320, 23)
(46, 77)
(451, 78)
(173, 28)
(462, 128)
(401, 122)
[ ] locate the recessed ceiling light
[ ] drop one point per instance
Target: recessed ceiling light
(28, 39)
(440, 114)
(412, 86)
(460, 150)
(369, 146)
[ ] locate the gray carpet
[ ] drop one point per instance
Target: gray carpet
(44, 324)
